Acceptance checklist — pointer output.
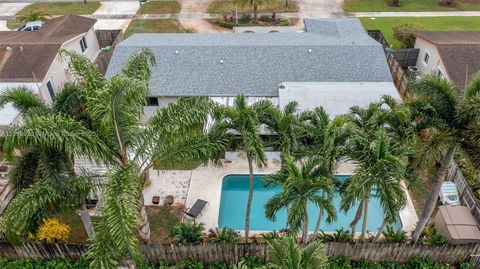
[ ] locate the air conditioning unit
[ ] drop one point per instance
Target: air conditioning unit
(412, 72)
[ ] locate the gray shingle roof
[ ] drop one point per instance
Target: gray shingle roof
(255, 64)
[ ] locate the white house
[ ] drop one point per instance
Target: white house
(334, 64)
(32, 59)
(453, 55)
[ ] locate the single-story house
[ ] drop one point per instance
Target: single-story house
(31, 58)
(453, 55)
(334, 64)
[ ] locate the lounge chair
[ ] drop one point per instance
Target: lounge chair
(196, 209)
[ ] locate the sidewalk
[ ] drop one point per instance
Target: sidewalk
(115, 15)
(415, 14)
(8, 11)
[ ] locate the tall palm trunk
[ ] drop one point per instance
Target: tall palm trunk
(84, 215)
(380, 231)
(431, 200)
(250, 197)
(357, 217)
(305, 229)
(320, 216)
(365, 217)
(255, 13)
(144, 229)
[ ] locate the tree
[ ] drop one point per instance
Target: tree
(287, 126)
(254, 4)
(43, 174)
(242, 121)
(325, 143)
(33, 16)
(450, 123)
(404, 34)
(284, 253)
(300, 186)
(379, 166)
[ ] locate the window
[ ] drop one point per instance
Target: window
(437, 72)
(426, 57)
(152, 101)
(83, 44)
(50, 90)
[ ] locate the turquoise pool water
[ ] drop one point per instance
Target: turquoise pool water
(233, 206)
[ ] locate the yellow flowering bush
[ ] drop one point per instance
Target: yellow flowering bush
(52, 231)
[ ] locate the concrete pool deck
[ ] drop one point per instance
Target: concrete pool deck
(205, 182)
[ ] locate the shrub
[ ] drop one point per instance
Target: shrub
(51, 231)
(245, 18)
(251, 262)
(187, 232)
(340, 235)
(283, 22)
(265, 18)
(224, 235)
(431, 236)
(404, 34)
(398, 236)
(219, 265)
(189, 264)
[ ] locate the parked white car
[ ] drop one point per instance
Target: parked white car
(31, 26)
(449, 194)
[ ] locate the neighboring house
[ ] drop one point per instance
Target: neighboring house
(453, 55)
(32, 58)
(334, 64)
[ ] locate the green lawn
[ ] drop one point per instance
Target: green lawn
(162, 219)
(159, 7)
(406, 5)
(61, 8)
(154, 26)
(429, 23)
(220, 6)
(77, 235)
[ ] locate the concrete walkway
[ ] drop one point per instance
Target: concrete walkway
(199, 25)
(115, 15)
(7, 11)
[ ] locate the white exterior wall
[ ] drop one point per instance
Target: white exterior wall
(8, 114)
(335, 97)
(434, 60)
(58, 72)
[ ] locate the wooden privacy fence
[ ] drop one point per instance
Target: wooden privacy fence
(467, 197)
(232, 252)
(406, 57)
(106, 38)
(400, 79)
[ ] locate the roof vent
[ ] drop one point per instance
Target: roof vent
(176, 52)
(221, 61)
(8, 48)
(310, 51)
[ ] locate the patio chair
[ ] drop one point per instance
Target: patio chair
(196, 209)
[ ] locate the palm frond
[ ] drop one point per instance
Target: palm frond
(22, 98)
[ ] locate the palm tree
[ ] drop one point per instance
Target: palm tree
(325, 142)
(287, 126)
(45, 167)
(243, 121)
(449, 123)
(300, 186)
(33, 16)
(284, 253)
(254, 4)
(379, 166)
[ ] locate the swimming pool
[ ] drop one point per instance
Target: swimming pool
(233, 205)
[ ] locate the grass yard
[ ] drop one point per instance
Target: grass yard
(13, 24)
(429, 23)
(154, 26)
(407, 5)
(61, 8)
(159, 7)
(221, 7)
(162, 219)
(77, 235)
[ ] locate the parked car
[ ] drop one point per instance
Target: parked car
(449, 194)
(31, 26)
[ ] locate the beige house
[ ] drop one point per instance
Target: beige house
(31, 59)
(453, 55)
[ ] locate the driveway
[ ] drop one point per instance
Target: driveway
(9, 9)
(115, 8)
(199, 25)
(320, 8)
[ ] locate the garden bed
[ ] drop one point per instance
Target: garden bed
(222, 7)
(229, 22)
